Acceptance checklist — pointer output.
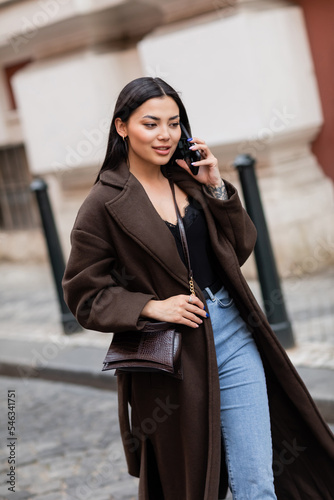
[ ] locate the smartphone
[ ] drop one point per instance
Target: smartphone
(183, 152)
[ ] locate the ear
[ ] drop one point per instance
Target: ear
(121, 127)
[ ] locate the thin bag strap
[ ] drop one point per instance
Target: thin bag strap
(183, 237)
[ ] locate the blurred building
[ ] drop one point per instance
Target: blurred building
(254, 76)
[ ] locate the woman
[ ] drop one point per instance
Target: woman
(188, 437)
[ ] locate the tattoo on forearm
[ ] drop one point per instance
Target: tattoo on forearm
(219, 192)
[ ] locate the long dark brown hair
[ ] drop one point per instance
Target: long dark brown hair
(133, 95)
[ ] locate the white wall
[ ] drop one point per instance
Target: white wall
(66, 103)
(238, 74)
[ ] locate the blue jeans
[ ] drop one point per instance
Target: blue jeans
(244, 411)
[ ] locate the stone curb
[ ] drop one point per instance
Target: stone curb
(90, 379)
(82, 365)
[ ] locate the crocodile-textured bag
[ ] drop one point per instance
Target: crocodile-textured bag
(157, 347)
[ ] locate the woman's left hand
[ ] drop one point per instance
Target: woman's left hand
(208, 172)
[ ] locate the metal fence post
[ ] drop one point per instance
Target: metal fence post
(39, 187)
(265, 261)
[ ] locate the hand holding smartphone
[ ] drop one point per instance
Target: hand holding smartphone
(186, 154)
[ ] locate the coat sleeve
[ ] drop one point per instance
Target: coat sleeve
(233, 221)
(94, 292)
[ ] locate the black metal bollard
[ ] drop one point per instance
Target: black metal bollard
(265, 262)
(39, 186)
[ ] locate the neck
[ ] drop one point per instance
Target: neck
(148, 174)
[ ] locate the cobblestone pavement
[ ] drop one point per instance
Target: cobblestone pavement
(68, 443)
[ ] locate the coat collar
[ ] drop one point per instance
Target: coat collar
(118, 177)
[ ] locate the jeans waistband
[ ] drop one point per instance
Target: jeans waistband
(214, 289)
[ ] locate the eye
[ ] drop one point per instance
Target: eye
(175, 124)
(150, 125)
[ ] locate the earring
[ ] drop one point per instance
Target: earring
(124, 138)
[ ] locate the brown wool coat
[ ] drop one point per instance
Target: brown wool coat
(122, 256)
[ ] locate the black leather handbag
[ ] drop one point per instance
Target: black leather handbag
(157, 347)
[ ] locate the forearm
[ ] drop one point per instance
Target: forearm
(233, 221)
(93, 289)
(218, 191)
(176, 309)
(149, 310)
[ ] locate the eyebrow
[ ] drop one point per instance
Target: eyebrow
(158, 119)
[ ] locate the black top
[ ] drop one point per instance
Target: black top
(202, 257)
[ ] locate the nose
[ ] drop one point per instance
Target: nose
(164, 134)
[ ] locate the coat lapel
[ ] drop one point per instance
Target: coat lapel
(135, 214)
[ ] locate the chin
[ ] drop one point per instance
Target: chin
(164, 161)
